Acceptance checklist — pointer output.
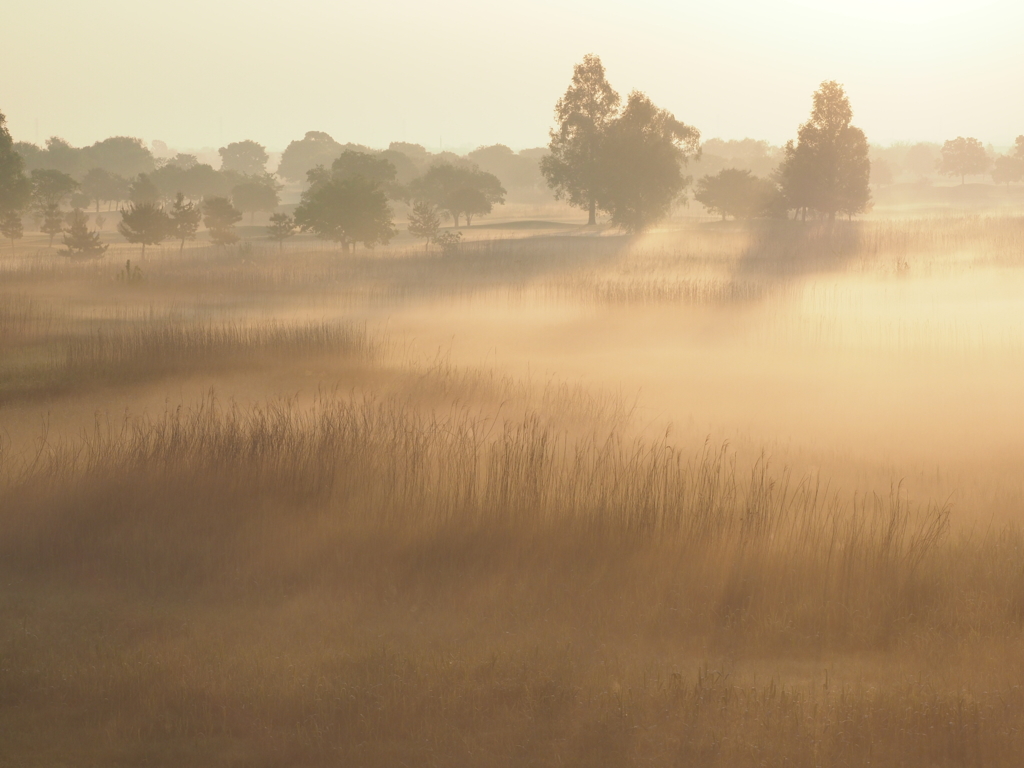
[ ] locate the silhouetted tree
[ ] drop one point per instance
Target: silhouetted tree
(10, 225)
(961, 157)
(827, 169)
(15, 187)
(52, 220)
(346, 211)
(49, 186)
(583, 114)
(316, 148)
(376, 168)
(640, 163)
(1018, 148)
(143, 190)
(737, 193)
(245, 157)
(78, 240)
(282, 226)
(99, 186)
(185, 161)
(121, 156)
(258, 193)
(1007, 169)
(220, 217)
(143, 223)
(183, 220)
(424, 222)
(458, 190)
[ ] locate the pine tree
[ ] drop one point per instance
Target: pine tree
(183, 220)
(78, 240)
(53, 221)
(282, 226)
(220, 217)
(143, 223)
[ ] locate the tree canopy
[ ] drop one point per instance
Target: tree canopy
(15, 188)
(827, 169)
(299, 157)
(245, 157)
(256, 193)
(963, 157)
(220, 217)
(346, 211)
(183, 220)
(78, 240)
(459, 190)
(143, 224)
(737, 193)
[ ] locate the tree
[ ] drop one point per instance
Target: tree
(1007, 169)
(52, 220)
(1018, 148)
(961, 157)
(245, 157)
(458, 190)
(143, 223)
(640, 163)
(121, 156)
(99, 186)
(220, 217)
(315, 148)
(143, 190)
(10, 225)
(375, 168)
(346, 211)
(282, 226)
(921, 159)
(15, 188)
(183, 220)
(583, 115)
(736, 193)
(49, 186)
(827, 169)
(78, 240)
(256, 194)
(424, 222)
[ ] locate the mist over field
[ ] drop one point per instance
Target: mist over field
(593, 386)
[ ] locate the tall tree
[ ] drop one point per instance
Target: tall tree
(143, 223)
(78, 240)
(282, 226)
(828, 169)
(245, 157)
(100, 186)
(220, 217)
(257, 193)
(183, 220)
(346, 211)
(583, 114)
(376, 168)
(15, 188)
(458, 190)
(962, 157)
(640, 163)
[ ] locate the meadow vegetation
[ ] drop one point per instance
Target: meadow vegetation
(287, 506)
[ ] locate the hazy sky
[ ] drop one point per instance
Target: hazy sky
(197, 74)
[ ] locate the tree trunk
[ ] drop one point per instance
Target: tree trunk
(181, 248)
(592, 218)
(143, 251)
(455, 216)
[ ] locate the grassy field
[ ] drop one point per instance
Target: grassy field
(720, 495)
